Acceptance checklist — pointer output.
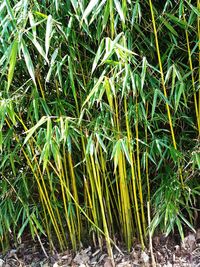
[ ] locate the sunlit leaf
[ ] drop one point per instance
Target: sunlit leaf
(28, 60)
(48, 33)
(12, 62)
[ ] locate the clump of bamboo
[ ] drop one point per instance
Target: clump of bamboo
(99, 117)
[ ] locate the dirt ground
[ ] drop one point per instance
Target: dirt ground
(167, 252)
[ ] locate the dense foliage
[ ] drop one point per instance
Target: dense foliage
(99, 120)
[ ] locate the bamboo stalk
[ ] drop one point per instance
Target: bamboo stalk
(164, 87)
(192, 75)
(43, 194)
(198, 30)
(136, 205)
(138, 169)
(100, 196)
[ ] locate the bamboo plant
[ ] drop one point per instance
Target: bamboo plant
(99, 120)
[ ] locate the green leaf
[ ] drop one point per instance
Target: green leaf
(41, 14)
(95, 88)
(154, 103)
(187, 223)
(116, 154)
(178, 94)
(12, 62)
(110, 45)
(38, 46)
(10, 11)
(143, 74)
(177, 21)
(48, 33)
(57, 5)
(52, 63)
(34, 128)
(45, 155)
(196, 10)
(106, 14)
(101, 142)
(125, 149)
(28, 61)
(119, 10)
(32, 23)
(124, 49)
(1, 140)
(21, 230)
(98, 55)
(71, 75)
(180, 228)
(169, 27)
(89, 9)
(56, 155)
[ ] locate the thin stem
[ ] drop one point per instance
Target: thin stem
(192, 75)
(163, 85)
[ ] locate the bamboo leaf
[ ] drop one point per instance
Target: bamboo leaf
(38, 46)
(29, 63)
(32, 23)
(21, 230)
(116, 154)
(37, 224)
(172, 30)
(95, 89)
(154, 103)
(144, 68)
(125, 148)
(106, 14)
(187, 223)
(109, 45)
(41, 14)
(48, 33)
(1, 140)
(98, 55)
(89, 9)
(10, 11)
(71, 75)
(31, 131)
(119, 10)
(52, 63)
(178, 94)
(128, 51)
(177, 21)
(196, 11)
(12, 62)
(101, 142)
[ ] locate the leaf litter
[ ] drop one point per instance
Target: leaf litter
(168, 252)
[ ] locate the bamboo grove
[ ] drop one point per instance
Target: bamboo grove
(99, 120)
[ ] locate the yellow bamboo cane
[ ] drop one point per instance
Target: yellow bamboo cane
(192, 73)
(164, 87)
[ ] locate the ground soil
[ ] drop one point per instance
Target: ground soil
(167, 251)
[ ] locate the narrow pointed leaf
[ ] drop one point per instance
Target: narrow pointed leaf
(48, 33)
(34, 128)
(89, 9)
(29, 63)
(119, 10)
(12, 62)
